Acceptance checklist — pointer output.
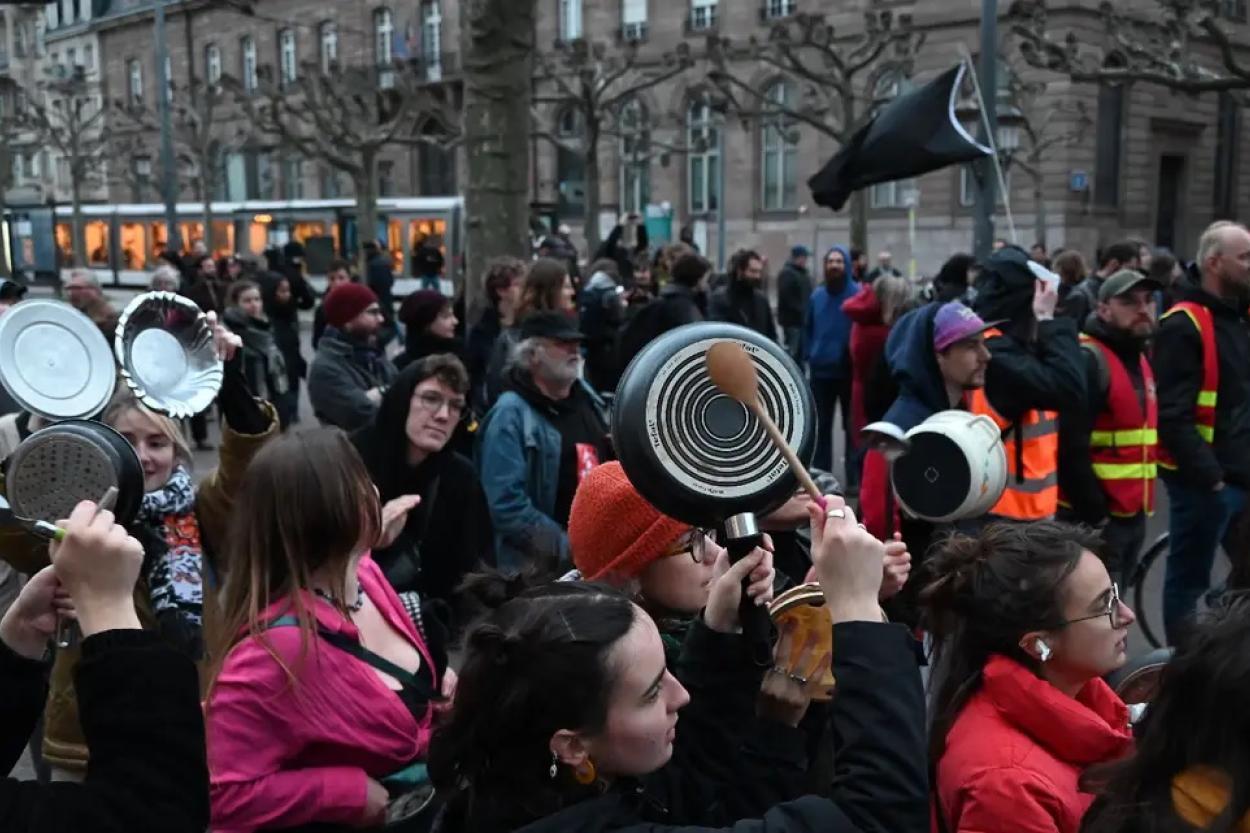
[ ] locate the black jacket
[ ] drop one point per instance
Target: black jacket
(1178, 374)
(880, 782)
(380, 278)
(481, 344)
(794, 288)
(1082, 490)
(676, 306)
(1046, 374)
(139, 704)
(741, 303)
(1081, 300)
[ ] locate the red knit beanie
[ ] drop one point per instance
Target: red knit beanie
(346, 301)
(613, 529)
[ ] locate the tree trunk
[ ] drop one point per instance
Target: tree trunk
(859, 221)
(78, 234)
(590, 188)
(366, 182)
(497, 44)
(1039, 210)
(208, 185)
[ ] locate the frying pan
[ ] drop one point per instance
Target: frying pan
(57, 467)
(703, 458)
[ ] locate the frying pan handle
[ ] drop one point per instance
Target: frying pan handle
(742, 536)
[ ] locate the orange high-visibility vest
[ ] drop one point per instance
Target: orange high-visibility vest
(1204, 406)
(1125, 438)
(1032, 445)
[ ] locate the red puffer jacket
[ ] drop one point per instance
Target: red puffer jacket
(1015, 753)
(868, 335)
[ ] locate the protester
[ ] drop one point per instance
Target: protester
(408, 451)
(859, 265)
(1025, 622)
(430, 327)
(1083, 298)
(1038, 254)
(427, 265)
(645, 288)
(164, 279)
(293, 265)
(627, 239)
(566, 718)
(380, 279)
(885, 266)
(264, 365)
(138, 698)
(1107, 449)
(538, 442)
(601, 312)
(325, 690)
(741, 300)
(340, 273)
(794, 288)
(349, 373)
(1189, 768)
(1166, 270)
(1200, 359)
(502, 285)
(677, 306)
(872, 311)
(282, 309)
(954, 279)
(547, 287)
(1070, 267)
(1036, 372)
(82, 288)
(826, 341)
(209, 291)
(665, 258)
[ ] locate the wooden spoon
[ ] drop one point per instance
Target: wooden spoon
(733, 372)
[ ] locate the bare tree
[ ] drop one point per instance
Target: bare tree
(1182, 47)
(68, 115)
(497, 45)
(346, 118)
(594, 83)
(842, 78)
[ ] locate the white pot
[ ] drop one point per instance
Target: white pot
(955, 468)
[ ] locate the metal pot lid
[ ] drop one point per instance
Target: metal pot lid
(54, 361)
(165, 347)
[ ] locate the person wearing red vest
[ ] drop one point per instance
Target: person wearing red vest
(1202, 367)
(1107, 451)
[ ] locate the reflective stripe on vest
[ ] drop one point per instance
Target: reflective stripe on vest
(1204, 406)
(1124, 443)
(1031, 494)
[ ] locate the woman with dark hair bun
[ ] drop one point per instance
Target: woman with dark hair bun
(1191, 768)
(1025, 622)
(566, 717)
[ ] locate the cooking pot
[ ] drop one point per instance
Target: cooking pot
(955, 467)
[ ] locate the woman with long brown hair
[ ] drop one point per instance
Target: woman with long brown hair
(547, 288)
(323, 700)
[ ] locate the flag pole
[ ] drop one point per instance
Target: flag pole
(991, 135)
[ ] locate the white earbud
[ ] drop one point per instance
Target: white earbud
(1043, 650)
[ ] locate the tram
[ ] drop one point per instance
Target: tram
(124, 240)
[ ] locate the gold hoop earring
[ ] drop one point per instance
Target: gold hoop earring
(585, 773)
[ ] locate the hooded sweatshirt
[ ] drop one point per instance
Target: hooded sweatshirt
(827, 329)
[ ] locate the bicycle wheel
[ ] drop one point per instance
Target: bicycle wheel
(1148, 559)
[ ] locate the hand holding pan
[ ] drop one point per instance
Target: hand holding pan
(67, 632)
(170, 353)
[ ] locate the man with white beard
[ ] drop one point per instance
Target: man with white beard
(546, 432)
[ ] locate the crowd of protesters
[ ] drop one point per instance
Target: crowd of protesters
(438, 602)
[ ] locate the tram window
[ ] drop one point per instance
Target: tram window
(159, 240)
(429, 231)
(257, 237)
(223, 238)
(395, 242)
(65, 243)
(96, 234)
(301, 231)
(134, 246)
(191, 232)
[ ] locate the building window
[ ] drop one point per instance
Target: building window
(383, 37)
(88, 57)
(777, 9)
(330, 188)
(288, 69)
(570, 164)
(970, 186)
(436, 174)
(265, 176)
(432, 40)
(570, 20)
(212, 63)
(892, 194)
(329, 38)
(292, 178)
(1227, 169)
(1233, 10)
(386, 178)
(634, 20)
(1108, 143)
(702, 15)
(703, 158)
(635, 175)
(71, 57)
(135, 74)
(247, 48)
(780, 147)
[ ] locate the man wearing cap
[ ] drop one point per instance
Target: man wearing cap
(1107, 449)
(544, 434)
(794, 287)
(350, 372)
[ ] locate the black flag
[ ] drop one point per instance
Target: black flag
(912, 135)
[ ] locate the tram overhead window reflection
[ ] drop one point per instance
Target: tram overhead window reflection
(134, 249)
(96, 237)
(65, 244)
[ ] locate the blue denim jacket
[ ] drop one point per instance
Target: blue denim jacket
(518, 460)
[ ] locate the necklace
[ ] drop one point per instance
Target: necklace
(352, 608)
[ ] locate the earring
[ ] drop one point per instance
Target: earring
(1043, 650)
(554, 769)
(585, 773)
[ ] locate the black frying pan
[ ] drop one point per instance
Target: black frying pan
(701, 457)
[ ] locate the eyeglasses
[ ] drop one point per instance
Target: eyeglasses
(432, 403)
(697, 543)
(1114, 606)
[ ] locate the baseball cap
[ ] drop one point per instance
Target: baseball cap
(11, 290)
(955, 322)
(1124, 281)
(553, 325)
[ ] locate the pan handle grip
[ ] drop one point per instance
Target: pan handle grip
(757, 626)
